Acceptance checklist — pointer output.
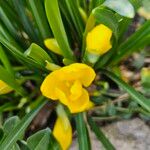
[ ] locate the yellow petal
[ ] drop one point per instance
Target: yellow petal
(57, 78)
(76, 90)
(52, 83)
(62, 96)
(98, 40)
(89, 105)
(52, 45)
(78, 71)
(49, 85)
(81, 104)
(4, 88)
(63, 132)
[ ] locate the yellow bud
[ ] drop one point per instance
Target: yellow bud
(4, 88)
(52, 45)
(98, 40)
(63, 132)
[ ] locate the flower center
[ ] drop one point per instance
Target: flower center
(76, 90)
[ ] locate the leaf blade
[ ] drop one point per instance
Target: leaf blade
(139, 98)
(100, 135)
(13, 136)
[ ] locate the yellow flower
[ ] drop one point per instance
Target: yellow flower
(52, 45)
(98, 40)
(63, 132)
(67, 85)
(4, 88)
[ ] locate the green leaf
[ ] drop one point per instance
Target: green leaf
(106, 17)
(10, 80)
(1, 134)
(19, 55)
(100, 135)
(8, 22)
(23, 145)
(7, 107)
(9, 10)
(137, 40)
(10, 124)
(139, 98)
(94, 4)
(39, 140)
(123, 27)
(13, 136)
(40, 17)
(38, 54)
(83, 137)
(5, 60)
(15, 147)
(5, 34)
(55, 21)
(42, 140)
(73, 11)
(21, 10)
(122, 7)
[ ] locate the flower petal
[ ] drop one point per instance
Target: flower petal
(77, 71)
(98, 40)
(63, 132)
(81, 104)
(49, 85)
(76, 90)
(62, 96)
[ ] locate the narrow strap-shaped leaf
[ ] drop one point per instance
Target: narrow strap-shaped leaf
(75, 15)
(94, 3)
(19, 130)
(11, 13)
(10, 80)
(19, 6)
(40, 17)
(5, 61)
(66, 14)
(123, 26)
(15, 40)
(129, 45)
(8, 22)
(19, 55)
(83, 138)
(139, 98)
(55, 21)
(100, 135)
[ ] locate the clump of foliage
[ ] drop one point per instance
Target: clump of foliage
(67, 55)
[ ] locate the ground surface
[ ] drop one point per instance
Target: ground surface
(125, 135)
